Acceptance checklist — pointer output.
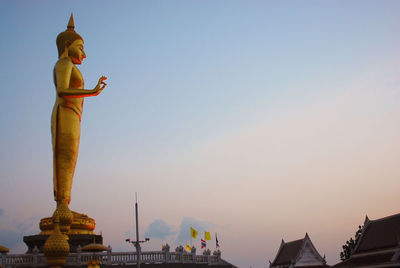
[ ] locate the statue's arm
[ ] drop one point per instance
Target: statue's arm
(63, 75)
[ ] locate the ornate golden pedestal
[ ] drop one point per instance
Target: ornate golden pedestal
(80, 234)
(56, 247)
(81, 224)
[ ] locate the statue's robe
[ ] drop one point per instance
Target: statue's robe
(65, 131)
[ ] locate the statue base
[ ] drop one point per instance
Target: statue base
(81, 233)
(74, 240)
(81, 224)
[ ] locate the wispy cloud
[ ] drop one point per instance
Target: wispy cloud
(129, 234)
(12, 231)
(159, 229)
(10, 238)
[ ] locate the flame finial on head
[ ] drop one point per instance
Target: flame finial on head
(71, 24)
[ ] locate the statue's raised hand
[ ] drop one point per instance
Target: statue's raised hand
(100, 85)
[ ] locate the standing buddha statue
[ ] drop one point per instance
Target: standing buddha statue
(66, 117)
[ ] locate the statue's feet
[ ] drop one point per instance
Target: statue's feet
(81, 224)
(65, 215)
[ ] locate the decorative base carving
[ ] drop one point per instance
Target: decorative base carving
(56, 247)
(81, 224)
(80, 233)
(74, 241)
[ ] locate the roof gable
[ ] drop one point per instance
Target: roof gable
(379, 234)
(299, 252)
(308, 254)
(287, 252)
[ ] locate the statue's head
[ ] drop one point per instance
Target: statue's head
(68, 37)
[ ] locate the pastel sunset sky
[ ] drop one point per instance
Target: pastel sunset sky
(255, 120)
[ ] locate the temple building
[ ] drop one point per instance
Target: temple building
(298, 253)
(378, 246)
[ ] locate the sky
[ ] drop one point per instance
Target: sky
(255, 120)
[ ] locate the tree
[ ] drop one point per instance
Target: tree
(350, 245)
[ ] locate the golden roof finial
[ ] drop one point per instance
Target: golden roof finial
(71, 24)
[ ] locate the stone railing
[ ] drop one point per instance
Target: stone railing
(112, 258)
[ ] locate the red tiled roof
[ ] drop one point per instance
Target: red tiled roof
(288, 252)
(380, 234)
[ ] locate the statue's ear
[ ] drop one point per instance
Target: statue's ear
(67, 43)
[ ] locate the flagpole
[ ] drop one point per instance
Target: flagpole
(138, 249)
(137, 242)
(216, 241)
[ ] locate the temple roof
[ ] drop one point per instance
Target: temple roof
(378, 246)
(379, 234)
(375, 260)
(291, 252)
(288, 252)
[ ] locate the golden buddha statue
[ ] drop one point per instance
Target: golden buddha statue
(66, 122)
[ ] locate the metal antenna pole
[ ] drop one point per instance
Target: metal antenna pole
(137, 244)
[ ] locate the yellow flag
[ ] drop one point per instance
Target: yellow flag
(207, 236)
(188, 248)
(193, 232)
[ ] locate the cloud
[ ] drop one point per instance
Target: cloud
(129, 234)
(159, 229)
(28, 226)
(10, 238)
(12, 231)
(184, 229)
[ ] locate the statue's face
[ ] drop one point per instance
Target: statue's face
(76, 52)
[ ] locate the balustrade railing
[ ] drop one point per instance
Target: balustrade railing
(109, 257)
